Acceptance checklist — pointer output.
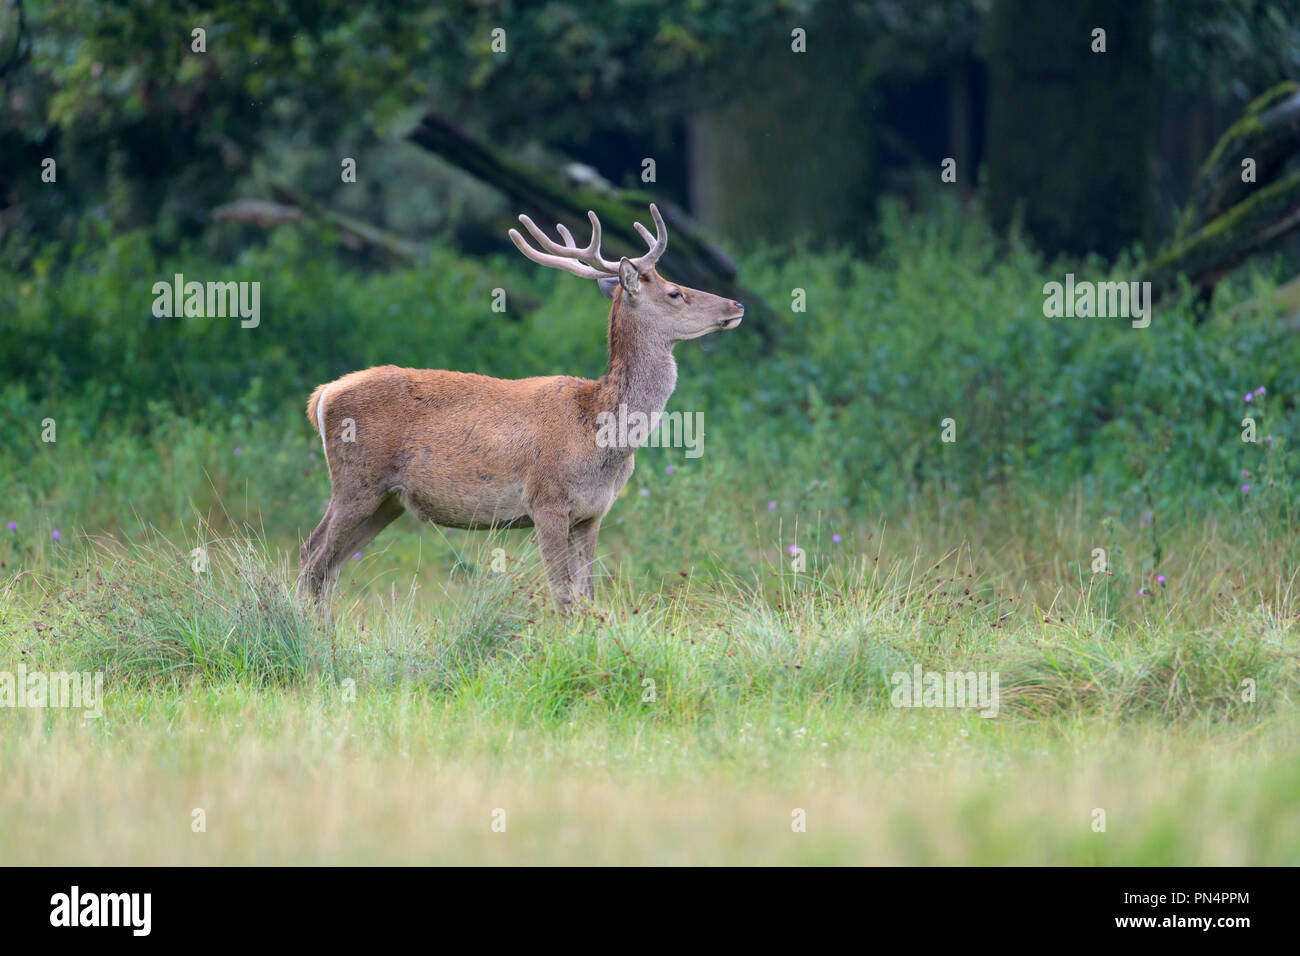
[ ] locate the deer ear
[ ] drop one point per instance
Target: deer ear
(627, 276)
(607, 285)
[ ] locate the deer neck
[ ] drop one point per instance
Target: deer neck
(642, 372)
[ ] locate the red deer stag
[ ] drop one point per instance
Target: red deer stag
(468, 451)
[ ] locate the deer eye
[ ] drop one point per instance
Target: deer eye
(674, 294)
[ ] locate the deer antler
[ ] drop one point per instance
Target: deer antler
(587, 262)
(658, 243)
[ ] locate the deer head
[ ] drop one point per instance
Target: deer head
(647, 302)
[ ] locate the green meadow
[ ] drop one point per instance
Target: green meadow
(1097, 534)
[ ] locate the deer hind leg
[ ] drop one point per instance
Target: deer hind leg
(583, 542)
(310, 546)
(311, 580)
(558, 557)
(344, 530)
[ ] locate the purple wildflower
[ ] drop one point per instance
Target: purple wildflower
(771, 506)
(1160, 579)
(13, 526)
(645, 492)
(793, 549)
(238, 451)
(55, 534)
(1248, 396)
(835, 538)
(669, 469)
(1245, 488)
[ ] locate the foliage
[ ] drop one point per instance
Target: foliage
(149, 133)
(946, 324)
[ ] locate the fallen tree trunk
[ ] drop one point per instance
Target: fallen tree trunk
(356, 232)
(1267, 133)
(1228, 219)
(261, 213)
(292, 207)
(1248, 228)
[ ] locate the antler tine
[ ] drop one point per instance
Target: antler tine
(567, 236)
(589, 254)
(587, 262)
(658, 242)
(592, 255)
(565, 261)
(547, 243)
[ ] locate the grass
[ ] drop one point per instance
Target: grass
(405, 778)
(1099, 535)
(683, 721)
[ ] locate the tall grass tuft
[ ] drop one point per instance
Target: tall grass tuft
(222, 611)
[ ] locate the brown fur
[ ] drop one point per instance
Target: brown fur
(469, 451)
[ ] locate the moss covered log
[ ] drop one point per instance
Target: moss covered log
(1229, 217)
(1268, 133)
(1247, 228)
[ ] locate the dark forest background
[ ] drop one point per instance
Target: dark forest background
(1094, 151)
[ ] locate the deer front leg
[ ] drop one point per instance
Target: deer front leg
(583, 542)
(557, 556)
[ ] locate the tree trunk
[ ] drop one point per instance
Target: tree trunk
(1070, 130)
(790, 155)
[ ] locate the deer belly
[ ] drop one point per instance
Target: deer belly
(472, 505)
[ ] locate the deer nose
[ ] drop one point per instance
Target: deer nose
(739, 305)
